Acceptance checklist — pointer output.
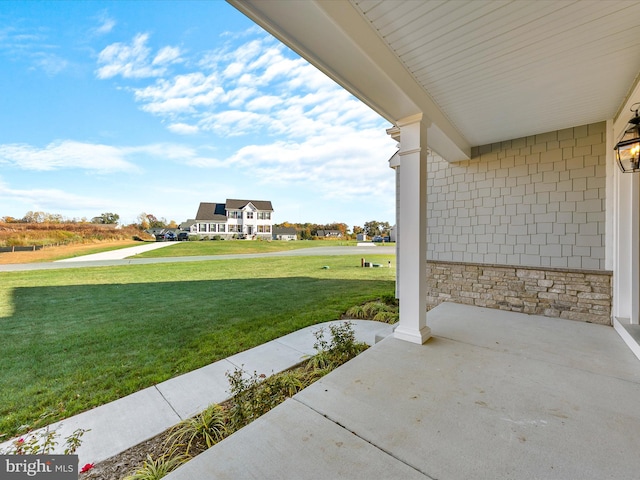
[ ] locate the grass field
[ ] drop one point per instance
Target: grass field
(233, 247)
(77, 338)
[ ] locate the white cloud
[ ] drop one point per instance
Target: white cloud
(66, 154)
(133, 60)
(51, 64)
(50, 199)
(182, 94)
(99, 158)
(106, 25)
(183, 128)
(167, 55)
(328, 141)
(252, 89)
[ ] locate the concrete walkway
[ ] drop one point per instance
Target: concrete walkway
(119, 254)
(121, 424)
(493, 395)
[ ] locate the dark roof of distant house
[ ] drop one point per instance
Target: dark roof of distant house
(236, 204)
(217, 212)
(284, 231)
(212, 211)
(329, 233)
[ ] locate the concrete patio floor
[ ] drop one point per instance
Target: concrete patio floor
(493, 395)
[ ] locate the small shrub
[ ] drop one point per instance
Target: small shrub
(341, 348)
(43, 443)
(155, 469)
(206, 428)
(356, 312)
(245, 404)
(371, 309)
(289, 382)
(387, 317)
(383, 310)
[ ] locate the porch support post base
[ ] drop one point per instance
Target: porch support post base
(414, 336)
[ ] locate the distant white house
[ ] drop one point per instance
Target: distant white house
(285, 233)
(233, 219)
(329, 234)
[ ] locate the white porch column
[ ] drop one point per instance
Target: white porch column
(412, 231)
(626, 244)
(627, 268)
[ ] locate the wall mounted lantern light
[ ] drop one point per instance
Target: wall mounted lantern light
(628, 148)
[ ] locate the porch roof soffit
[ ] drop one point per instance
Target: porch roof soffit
(336, 39)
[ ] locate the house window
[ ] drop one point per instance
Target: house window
(221, 227)
(249, 214)
(212, 227)
(264, 215)
(233, 228)
(234, 214)
(202, 227)
(264, 228)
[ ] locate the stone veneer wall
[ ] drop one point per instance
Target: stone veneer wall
(553, 292)
(537, 201)
(529, 217)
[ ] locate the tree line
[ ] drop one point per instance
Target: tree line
(45, 217)
(145, 221)
(307, 231)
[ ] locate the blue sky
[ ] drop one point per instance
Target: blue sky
(155, 106)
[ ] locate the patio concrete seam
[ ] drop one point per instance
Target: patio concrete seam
(304, 355)
(542, 360)
(377, 447)
(168, 402)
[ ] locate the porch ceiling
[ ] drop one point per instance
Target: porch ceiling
(482, 71)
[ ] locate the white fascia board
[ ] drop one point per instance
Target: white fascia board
(337, 40)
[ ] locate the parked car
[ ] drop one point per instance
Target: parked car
(183, 236)
(170, 236)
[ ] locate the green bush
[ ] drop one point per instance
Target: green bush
(206, 428)
(356, 311)
(387, 317)
(371, 309)
(384, 310)
(154, 469)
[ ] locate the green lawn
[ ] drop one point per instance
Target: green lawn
(234, 247)
(73, 339)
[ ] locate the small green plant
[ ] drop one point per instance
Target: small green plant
(43, 443)
(289, 382)
(154, 469)
(206, 428)
(371, 309)
(356, 311)
(249, 399)
(341, 348)
(387, 317)
(383, 310)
